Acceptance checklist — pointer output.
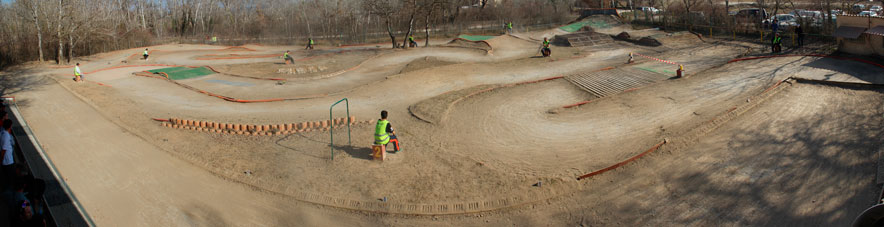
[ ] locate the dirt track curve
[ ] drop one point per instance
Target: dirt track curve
(476, 138)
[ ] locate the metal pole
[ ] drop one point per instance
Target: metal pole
(331, 130)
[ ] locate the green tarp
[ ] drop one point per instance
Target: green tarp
(475, 37)
(573, 27)
(180, 73)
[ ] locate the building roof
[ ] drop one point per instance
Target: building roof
(849, 32)
(878, 30)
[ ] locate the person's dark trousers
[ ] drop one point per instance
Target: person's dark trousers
(8, 175)
(800, 39)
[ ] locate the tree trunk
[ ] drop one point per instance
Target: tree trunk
(776, 8)
(70, 46)
(39, 31)
(427, 27)
(390, 32)
(196, 16)
(410, 28)
(307, 21)
(60, 57)
(143, 23)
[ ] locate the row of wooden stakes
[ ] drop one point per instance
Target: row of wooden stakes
(248, 129)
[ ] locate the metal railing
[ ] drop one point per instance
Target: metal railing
(52, 169)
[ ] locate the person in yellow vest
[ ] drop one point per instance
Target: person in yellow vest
(509, 27)
(309, 44)
(288, 57)
(411, 41)
(78, 75)
(545, 48)
(776, 43)
(383, 133)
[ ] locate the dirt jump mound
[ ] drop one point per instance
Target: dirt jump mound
(471, 41)
(648, 41)
(580, 39)
(424, 63)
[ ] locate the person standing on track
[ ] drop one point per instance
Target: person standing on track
(383, 133)
(288, 57)
(776, 43)
(545, 48)
(145, 54)
(509, 27)
(309, 44)
(78, 76)
(800, 33)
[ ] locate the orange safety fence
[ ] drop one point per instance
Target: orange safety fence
(619, 164)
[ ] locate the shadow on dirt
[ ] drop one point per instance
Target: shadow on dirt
(815, 169)
(860, 70)
(14, 82)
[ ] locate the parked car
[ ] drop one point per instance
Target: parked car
(868, 13)
(812, 18)
(858, 8)
(876, 9)
(751, 15)
(811, 14)
(650, 10)
(786, 21)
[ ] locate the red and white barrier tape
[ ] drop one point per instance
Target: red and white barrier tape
(657, 59)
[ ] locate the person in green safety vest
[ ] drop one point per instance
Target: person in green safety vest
(383, 133)
(545, 48)
(78, 75)
(776, 43)
(509, 27)
(145, 54)
(288, 58)
(309, 44)
(411, 41)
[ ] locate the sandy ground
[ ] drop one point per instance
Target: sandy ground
(464, 150)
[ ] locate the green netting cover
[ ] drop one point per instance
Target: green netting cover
(180, 73)
(475, 37)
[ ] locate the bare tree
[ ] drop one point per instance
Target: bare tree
(384, 9)
(60, 15)
(413, 6)
(36, 13)
(86, 27)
